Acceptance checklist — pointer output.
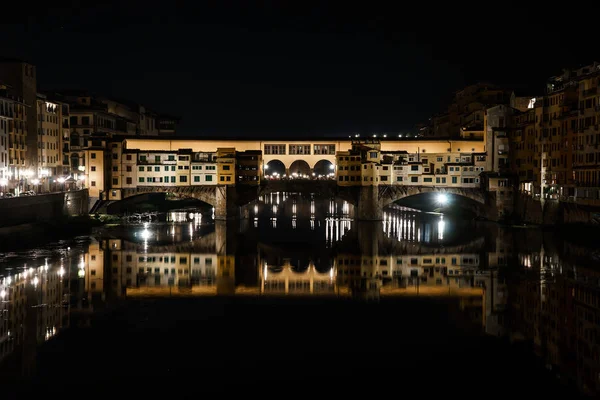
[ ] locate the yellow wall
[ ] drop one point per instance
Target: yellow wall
(411, 146)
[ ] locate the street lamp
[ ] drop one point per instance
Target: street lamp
(27, 174)
(62, 182)
(35, 182)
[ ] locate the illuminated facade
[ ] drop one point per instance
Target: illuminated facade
(13, 139)
(22, 79)
(49, 132)
(128, 169)
(365, 164)
(555, 139)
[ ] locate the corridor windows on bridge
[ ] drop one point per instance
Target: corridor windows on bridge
(324, 149)
(275, 149)
(299, 149)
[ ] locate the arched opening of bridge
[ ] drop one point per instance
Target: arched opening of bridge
(274, 169)
(160, 202)
(324, 169)
(300, 170)
(442, 202)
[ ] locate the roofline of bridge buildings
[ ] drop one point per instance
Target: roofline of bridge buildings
(289, 139)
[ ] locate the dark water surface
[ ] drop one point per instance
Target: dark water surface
(299, 298)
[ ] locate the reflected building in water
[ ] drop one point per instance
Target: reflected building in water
(512, 283)
(34, 306)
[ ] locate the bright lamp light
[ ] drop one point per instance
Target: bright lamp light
(442, 198)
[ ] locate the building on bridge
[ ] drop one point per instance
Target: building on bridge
(365, 164)
(133, 168)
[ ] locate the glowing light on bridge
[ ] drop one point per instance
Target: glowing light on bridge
(145, 234)
(442, 198)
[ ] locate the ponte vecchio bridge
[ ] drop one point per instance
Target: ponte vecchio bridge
(368, 200)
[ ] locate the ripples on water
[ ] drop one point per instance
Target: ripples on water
(509, 280)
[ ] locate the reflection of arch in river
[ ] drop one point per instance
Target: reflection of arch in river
(282, 279)
(369, 238)
(300, 205)
(204, 244)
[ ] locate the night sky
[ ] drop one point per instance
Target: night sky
(268, 68)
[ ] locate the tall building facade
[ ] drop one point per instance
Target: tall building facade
(49, 140)
(555, 139)
(22, 77)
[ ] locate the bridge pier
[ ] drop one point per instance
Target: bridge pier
(225, 247)
(369, 206)
(225, 203)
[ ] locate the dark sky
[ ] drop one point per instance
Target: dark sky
(265, 68)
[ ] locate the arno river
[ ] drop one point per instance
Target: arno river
(300, 297)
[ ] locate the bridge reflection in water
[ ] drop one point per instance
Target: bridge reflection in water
(512, 283)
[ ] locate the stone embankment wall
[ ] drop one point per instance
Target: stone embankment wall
(553, 212)
(43, 208)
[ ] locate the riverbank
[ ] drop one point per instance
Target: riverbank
(45, 208)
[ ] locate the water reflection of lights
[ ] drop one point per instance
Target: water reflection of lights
(61, 271)
(2, 294)
(336, 228)
(50, 332)
(36, 281)
(441, 227)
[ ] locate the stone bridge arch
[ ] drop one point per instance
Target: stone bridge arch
(391, 194)
(206, 194)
